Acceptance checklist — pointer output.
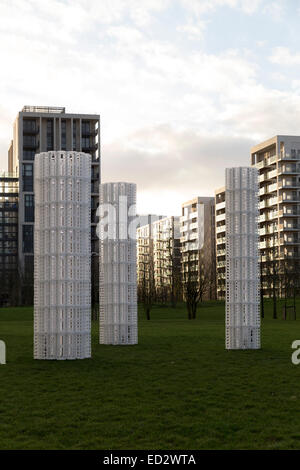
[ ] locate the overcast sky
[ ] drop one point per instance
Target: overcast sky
(183, 87)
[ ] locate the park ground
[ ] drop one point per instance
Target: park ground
(177, 389)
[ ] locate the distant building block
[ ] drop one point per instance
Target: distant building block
(118, 283)
(242, 260)
(62, 253)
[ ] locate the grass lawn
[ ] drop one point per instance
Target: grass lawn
(178, 389)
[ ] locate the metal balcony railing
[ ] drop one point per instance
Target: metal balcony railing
(43, 109)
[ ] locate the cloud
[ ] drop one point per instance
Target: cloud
(204, 6)
(166, 102)
(193, 29)
(283, 56)
(163, 160)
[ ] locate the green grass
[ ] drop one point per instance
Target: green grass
(178, 389)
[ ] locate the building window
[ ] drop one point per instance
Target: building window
(63, 135)
(28, 154)
(29, 207)
(29, 125)
(50, 136)
(29, 142)
(27, 173)
(27, 238)
(29, 265)
(74, 135)
(86, 127)
(85, 143)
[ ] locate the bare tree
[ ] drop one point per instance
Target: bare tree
(195, 282)
(272, 277)
(175, 280)
(289, 280)
(146, 287)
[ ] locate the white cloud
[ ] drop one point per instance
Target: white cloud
(283, 56)
(168, 163)
(275, 9)
(205, 6)
(164, 104)
(193, 29)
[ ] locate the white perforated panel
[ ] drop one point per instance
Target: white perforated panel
(242, 259)
(62, 251)
(118, 284)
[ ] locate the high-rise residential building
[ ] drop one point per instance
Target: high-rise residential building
(9, 196)
(166, 255)
(278, 162)
(40, 129)
(220, 242)
(198, 242)
(144, 239)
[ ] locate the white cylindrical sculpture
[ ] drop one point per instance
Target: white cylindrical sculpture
(118, 285)
(242, 259)
(62, 254)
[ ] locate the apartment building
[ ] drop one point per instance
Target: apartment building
(144, 240)
(166, 254)
(9, 195)
(220, 242)
(278, 162)
(40, 129)
(198, 241)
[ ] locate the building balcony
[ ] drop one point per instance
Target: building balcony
(220, 253)
(289, 227)
(221, 264)
(267, 231)
(290, 241)
(289, 198)
(266, 244)
(89, 132)
(193, 226)
(266, 162)
(220, 206)
(268, 216)
(288, 184)
(9, 206)
(294, 254)
(220, 217)
(89, 148)
(290, 171)
(221, 229)
(268, 203)
(287, 156)
(289, 212)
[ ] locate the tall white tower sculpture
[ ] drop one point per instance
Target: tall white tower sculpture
(62, 253)
(242, 268)
(118, 285)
